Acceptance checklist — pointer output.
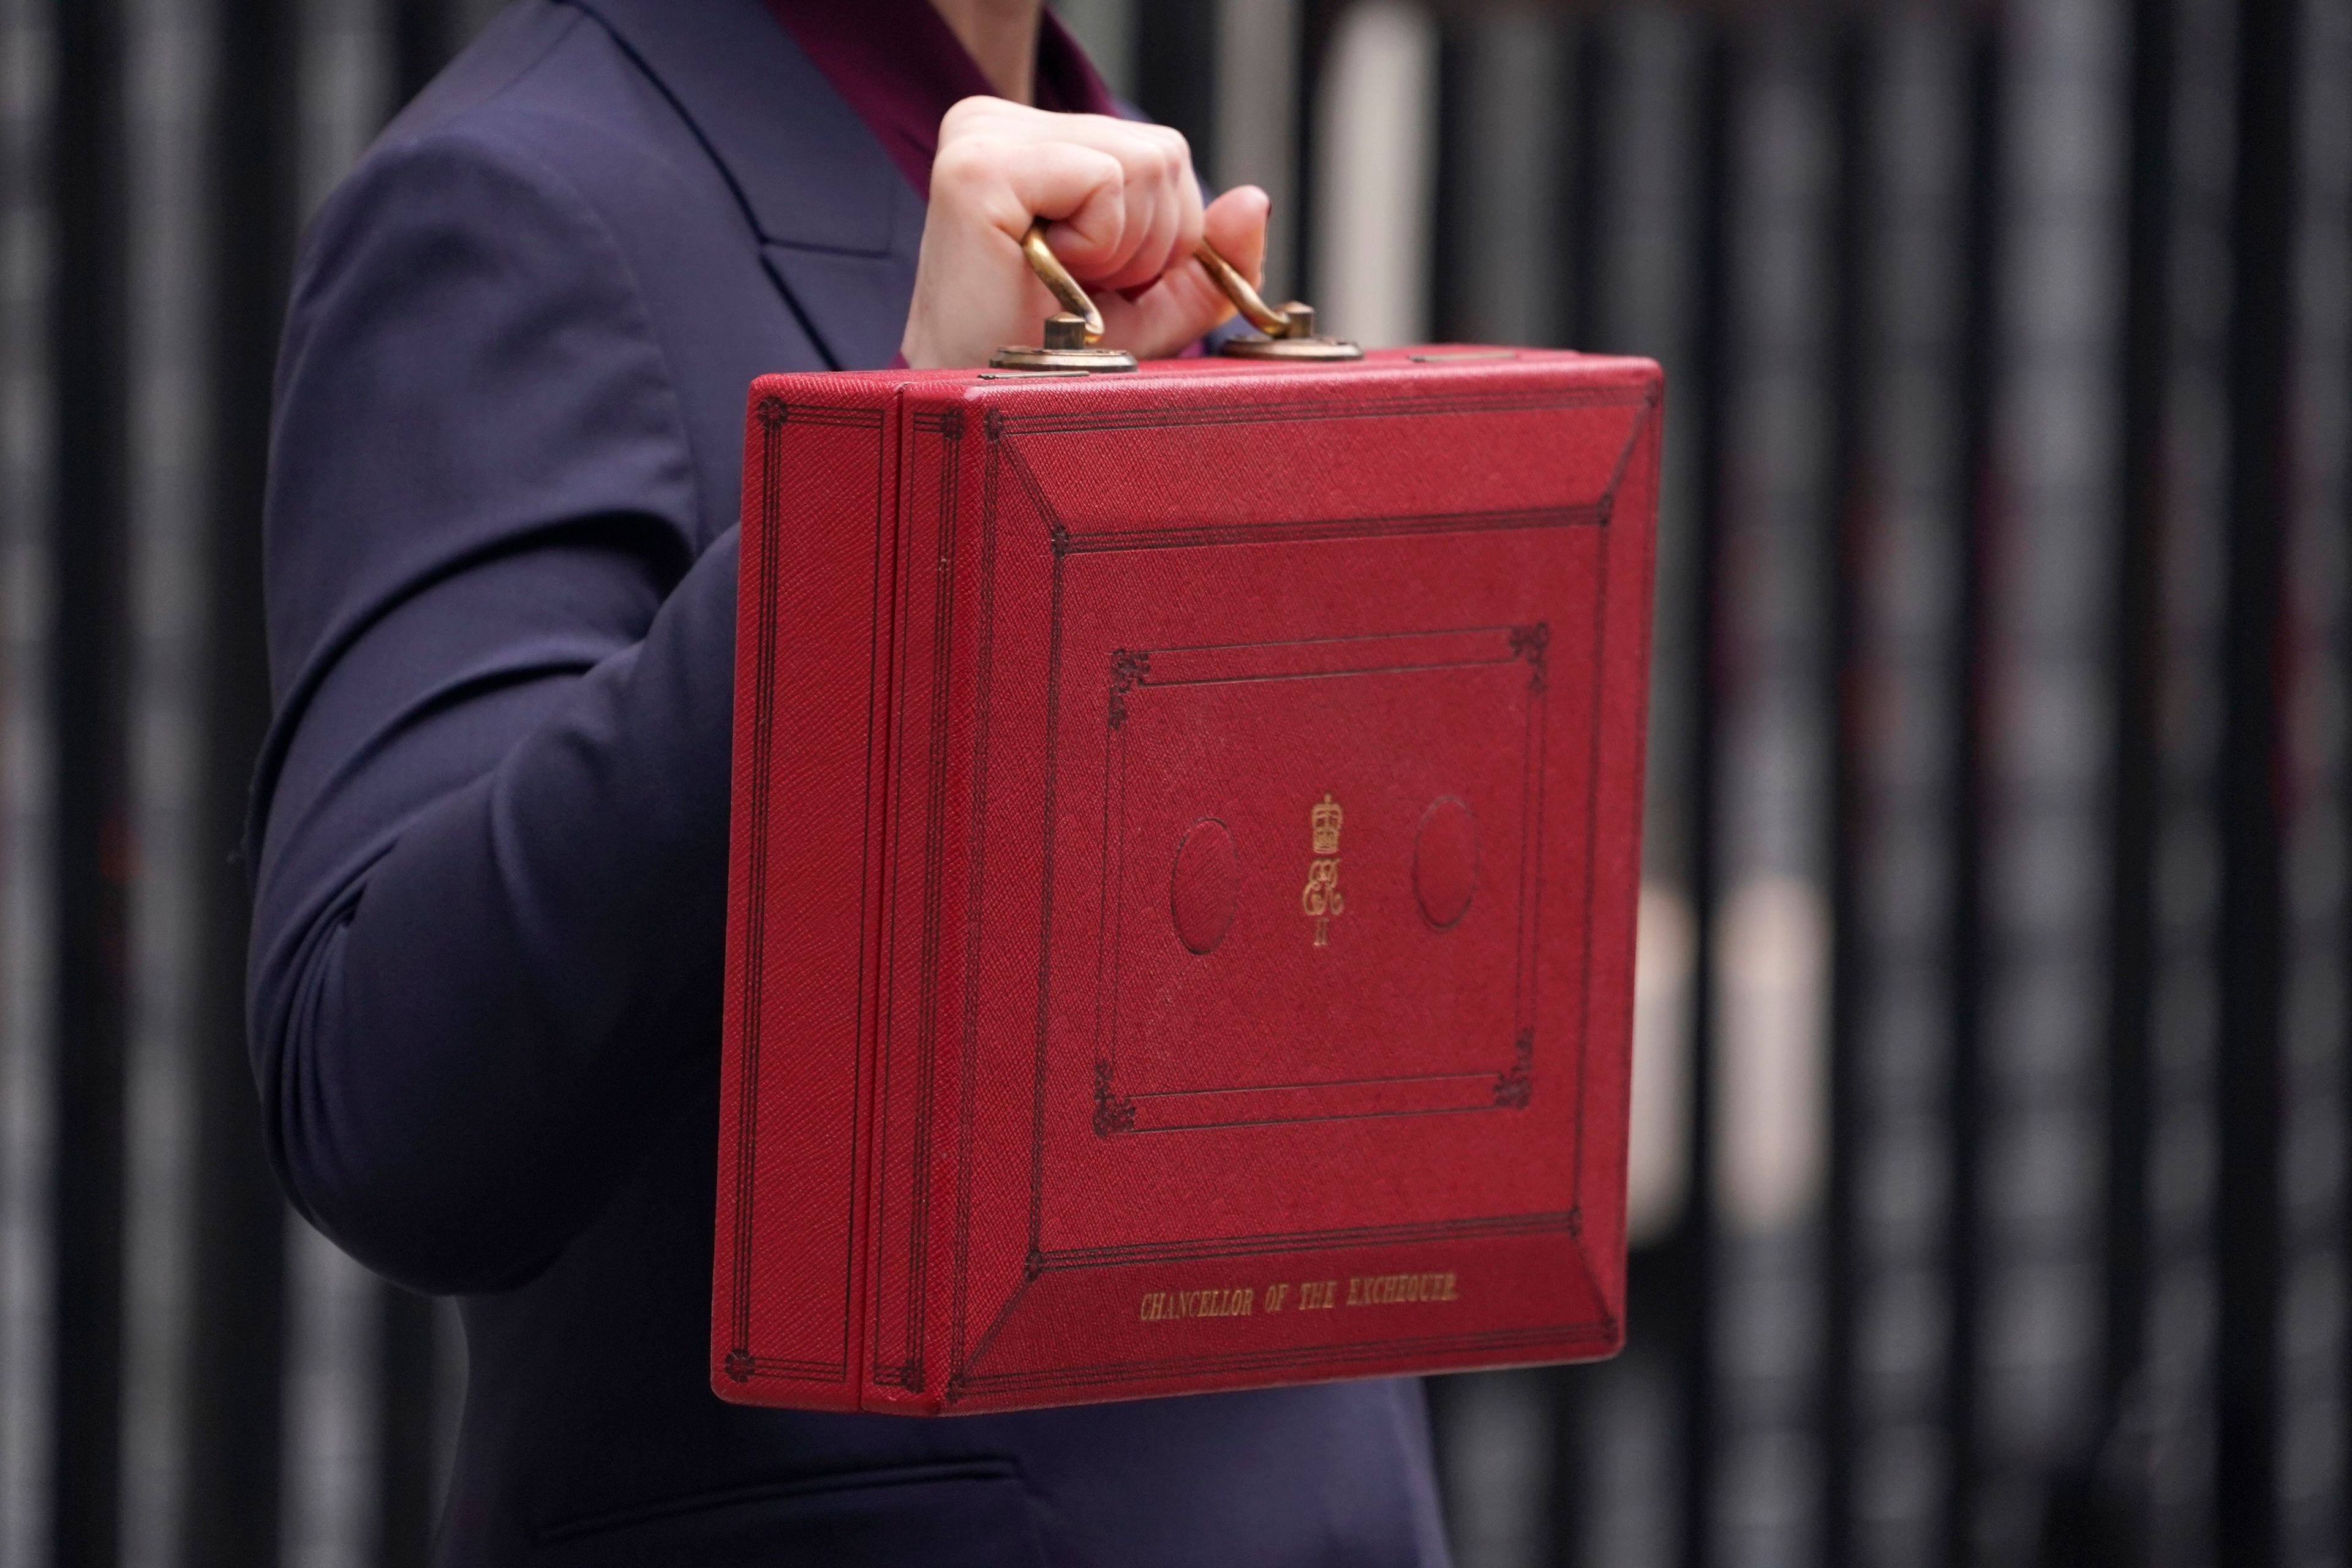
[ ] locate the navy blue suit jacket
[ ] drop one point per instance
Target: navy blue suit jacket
(490, 823)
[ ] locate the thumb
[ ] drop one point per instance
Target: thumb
(1236, 224)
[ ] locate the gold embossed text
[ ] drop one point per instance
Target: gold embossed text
(1159, 1306)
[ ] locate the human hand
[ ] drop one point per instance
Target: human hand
(1126, 219)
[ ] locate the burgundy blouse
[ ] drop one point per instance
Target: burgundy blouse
(902, 68)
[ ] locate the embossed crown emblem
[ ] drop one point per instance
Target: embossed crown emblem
(1326, 819)
(1321, 898)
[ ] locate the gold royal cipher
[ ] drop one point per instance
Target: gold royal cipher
(1320, 900)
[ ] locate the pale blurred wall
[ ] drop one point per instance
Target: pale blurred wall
(1376, 174)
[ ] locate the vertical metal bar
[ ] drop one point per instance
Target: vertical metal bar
(1577, 226)
(94, 855)
(1257, 121)
(329, 1493)
(2252, 893)
(2315, 1338)
(2050, 578)
(2326, 551)
(424, 37)
(1496, 248)
(27, 1033)
(405, 1443)
(1318, 21)
(1106, 28)
(1380, 89)
(1918, 133)
(1176, 70)
(1718, 81)
(237, 1316)
(1852, 495)
(2136, 805)
(2182, 1351)
(472, 16)
(168, 73)
(1453, 307)
(1568, 1484)
(1969, 968)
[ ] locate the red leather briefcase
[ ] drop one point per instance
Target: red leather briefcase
(1187, 830)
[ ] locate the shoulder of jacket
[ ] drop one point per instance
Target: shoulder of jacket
(540, 105)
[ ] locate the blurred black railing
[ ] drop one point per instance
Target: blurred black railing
(2120, 674)
(1999, 770)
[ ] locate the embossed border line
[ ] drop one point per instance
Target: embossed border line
(741, 1364)
(1418, 651)
(946, 426)
(1000, 456)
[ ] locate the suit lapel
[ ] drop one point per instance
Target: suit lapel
(838, 225)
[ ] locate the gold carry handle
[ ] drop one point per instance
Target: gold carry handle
(1285, 333)
(1072, 334)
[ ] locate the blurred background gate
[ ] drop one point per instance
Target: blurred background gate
(1993, 1102)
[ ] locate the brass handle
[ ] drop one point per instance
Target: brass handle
(1058, 282)
(1265, 318)
(1289, 330)
(1071, 336)
(1273, 323)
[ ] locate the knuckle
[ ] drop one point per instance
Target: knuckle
(964, 159)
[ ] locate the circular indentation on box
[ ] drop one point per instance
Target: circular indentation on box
(1445, 862)
(1206, 887)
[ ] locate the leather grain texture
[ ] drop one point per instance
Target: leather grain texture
(1186, 840)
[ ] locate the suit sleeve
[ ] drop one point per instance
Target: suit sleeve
(489, 828)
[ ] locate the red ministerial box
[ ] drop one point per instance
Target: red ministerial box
(1187, 830)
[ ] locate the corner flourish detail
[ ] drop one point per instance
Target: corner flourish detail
(1128, 667)
(1534, 645)
(1516, 1085)
(1114, 1113)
